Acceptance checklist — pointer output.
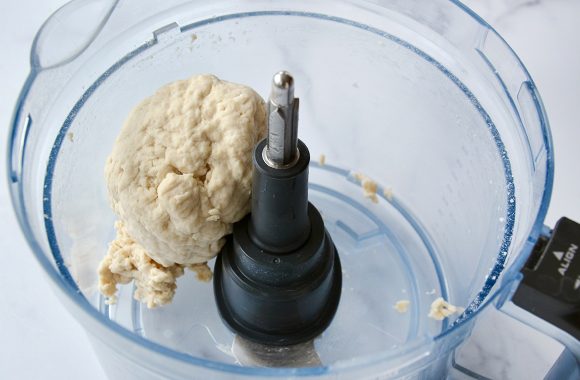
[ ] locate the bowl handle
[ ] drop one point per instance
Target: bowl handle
(547, 295)
(69, 31)
(544, 294)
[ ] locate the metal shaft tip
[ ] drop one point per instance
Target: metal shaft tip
(282, 89)
(283, 79)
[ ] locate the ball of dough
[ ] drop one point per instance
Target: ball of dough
(180, 172)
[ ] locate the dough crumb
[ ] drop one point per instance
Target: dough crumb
(127, 261)
(402, 306)
(202, 272)
(193, 37)
(70, 136)
(322, 160)
(441, 309)
(369, 187)
(388, 193)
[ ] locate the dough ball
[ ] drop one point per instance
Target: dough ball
(180, 172)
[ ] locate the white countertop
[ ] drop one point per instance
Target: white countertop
(40, 340)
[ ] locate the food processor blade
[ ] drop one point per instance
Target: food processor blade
(254, 354)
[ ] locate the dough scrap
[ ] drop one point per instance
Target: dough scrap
(402, 306)
(388, 193)
(441, 309)
(127, 261)
(202, 272)
(369, 187)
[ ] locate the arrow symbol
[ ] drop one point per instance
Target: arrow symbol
(559, 255)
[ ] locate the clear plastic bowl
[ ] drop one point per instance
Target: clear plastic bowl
(425, 99)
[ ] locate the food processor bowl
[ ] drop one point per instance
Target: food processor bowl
(424, 99)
